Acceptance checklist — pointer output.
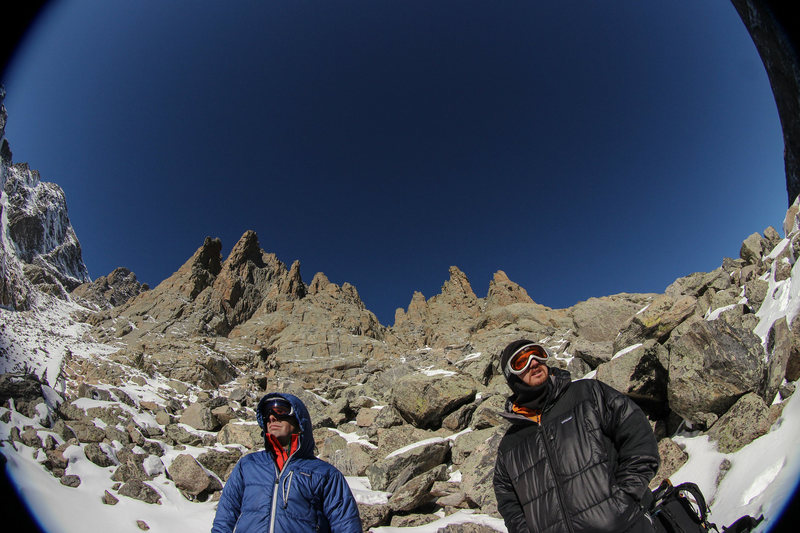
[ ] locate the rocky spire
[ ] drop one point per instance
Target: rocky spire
(247, 277)
(457, 290)
(319, 283)
(292, 285)
(199, 271)
(503, 291)
(442, 320)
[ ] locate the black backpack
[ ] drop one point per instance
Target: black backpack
(683, 509)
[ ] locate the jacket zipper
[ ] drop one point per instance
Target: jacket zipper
(285, 491)
(275, 490)
(274, 500)
(549, 453)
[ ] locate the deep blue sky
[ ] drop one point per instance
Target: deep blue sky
(585, 148)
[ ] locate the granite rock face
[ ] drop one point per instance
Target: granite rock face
(38, 247)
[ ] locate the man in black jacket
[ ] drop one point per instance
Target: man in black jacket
(578, 455)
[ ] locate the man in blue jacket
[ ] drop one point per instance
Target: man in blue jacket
(285, 488)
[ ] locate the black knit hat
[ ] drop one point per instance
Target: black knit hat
(508, 351)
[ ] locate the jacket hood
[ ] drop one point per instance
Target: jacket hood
(307, 444)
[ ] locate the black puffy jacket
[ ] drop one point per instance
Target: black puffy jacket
(585, 468)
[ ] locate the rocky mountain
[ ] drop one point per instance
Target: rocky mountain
(39, 247)
(154, 389)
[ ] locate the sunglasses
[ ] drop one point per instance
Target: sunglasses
(520, 360)
(279, 407)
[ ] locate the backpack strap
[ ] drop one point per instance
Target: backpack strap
(743, 525)
(660, 492)
(694, 490)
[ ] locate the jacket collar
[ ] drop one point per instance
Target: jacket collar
(560, 379)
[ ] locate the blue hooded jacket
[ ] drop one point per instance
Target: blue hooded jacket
(307, 495)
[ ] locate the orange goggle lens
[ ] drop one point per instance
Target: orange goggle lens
(522, 358)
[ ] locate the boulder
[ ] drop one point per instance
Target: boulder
(248, 434)
(56, 459)
(411, 520)
(396, 437)
(748, 419)
(25, 389)
(752, 249)
(793, 364)
(352, 460)
(425, 400)
(109, 499)
(672, 458)
(416, 491)
(467, 527)
(771, 238)
(220, 462)
(70, 480)
(366, 417)
(30, 437)
(466, 443)
(97, 455)
(139, 490)
(710, 366)
(114, 434)
(199, 416)
(130, 467)
(487, 414)
(456, 499)
(779, 346)
(600, 319)
(592, 353)
(656, 321)
(640, 374)
(790, 221)
(388, 417)
(755, 291)
(397, 468)
(478, 472)
(86, 431)
(224, 414)
(373, 515)
(189, 476)
(578, 368)
(458, 419)
(181, 435)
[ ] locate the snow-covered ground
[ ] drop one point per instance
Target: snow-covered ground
(761, 477)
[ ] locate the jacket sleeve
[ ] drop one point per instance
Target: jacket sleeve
(230, 503)
(637, 450)
(339, 505)
(507, 502)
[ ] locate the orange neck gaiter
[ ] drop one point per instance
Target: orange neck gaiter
(279, 452)
(533, 414)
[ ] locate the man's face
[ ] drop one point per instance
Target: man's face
(536, 374)
(282, 428)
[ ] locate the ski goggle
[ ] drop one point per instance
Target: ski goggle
(279, 407)
(520, 360)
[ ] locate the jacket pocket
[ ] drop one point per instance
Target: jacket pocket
(297, 498)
